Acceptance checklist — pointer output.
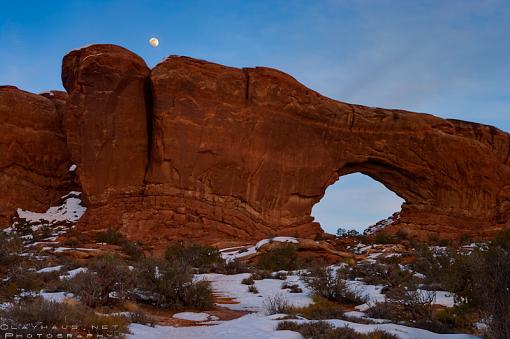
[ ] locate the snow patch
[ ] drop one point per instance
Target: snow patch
(50, 269)
(193, 316)
(72, 273)
(56, 296)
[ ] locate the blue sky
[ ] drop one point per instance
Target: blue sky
(448, 58)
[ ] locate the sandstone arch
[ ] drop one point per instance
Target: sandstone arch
(196, 150)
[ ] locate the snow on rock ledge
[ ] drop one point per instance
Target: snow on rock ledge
(234, 253)
(71, 210)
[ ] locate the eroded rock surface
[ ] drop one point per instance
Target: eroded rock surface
(34, 160)
(106, 120)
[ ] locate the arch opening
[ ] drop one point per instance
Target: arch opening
(355, 202)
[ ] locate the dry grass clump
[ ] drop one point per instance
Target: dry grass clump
(324, 330)
(277, 304)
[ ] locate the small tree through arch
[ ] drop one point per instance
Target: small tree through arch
(353, 203)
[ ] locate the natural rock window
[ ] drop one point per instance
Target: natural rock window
(355, 201)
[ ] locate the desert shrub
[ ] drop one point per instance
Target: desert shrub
(261, 274)
(43, 315)
(328, 284)
(279, 275)
(460, 278)
(282, 257)
(492, 282)
(170, 285)
(480, 281)
(390, 275)
(31, 231)
(501, 240)
(248, 281)
(133, 250)
(465, 238)
(232, 267)
(451, 271)
(253, 289)
(324, 330)
(384, 238)
(111, 236)
(197, 294)
(434, 265)
(320, 309)
(205, 258)
(405, 305)
(294, 288)
(276, 304)
(107, 280)
(139, 317)
(385, 310)
(22, 227)
(24, 280)
(73, 242)
(315, 329)
(10, 250)
(453, 318)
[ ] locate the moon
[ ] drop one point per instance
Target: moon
(154, 42)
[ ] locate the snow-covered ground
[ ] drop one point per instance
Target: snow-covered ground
(255, 324)
(229, 286)
(258, 325)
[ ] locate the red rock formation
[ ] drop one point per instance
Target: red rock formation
(241, 154)
(34, 160)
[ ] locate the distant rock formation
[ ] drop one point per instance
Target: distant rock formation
(192, 150)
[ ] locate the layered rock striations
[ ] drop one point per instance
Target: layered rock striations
(192, 150)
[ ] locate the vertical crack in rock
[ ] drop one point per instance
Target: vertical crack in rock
(149, 111)
(353, 113)
(247, 86)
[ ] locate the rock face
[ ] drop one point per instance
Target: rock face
(241, 154)
(34, 160)
(195, 151)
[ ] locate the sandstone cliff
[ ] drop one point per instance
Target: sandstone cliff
(34, 160)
